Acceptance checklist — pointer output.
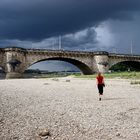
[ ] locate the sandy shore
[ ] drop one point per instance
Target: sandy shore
(69, 110)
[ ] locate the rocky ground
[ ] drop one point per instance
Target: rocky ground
(68, 109)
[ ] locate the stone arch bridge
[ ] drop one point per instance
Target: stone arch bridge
(14, 60)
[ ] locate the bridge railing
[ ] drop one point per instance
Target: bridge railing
(71, 51)
(13, 48)
(124, 55)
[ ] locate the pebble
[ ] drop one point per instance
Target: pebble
(118, 134)
(44, 132)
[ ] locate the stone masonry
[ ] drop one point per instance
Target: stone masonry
(14, 60)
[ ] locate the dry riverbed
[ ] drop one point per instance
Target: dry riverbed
(69, 109)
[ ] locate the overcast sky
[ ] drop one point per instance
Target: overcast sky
(91, 25)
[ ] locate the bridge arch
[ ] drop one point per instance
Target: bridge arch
(2, 72)
(126, 65)
(2, 68)
(84, 68)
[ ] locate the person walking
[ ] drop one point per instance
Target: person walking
(100, 85)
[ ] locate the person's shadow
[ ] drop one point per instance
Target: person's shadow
(113, 98)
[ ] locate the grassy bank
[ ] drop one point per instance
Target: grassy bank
(119, 75)
(51, 75)
(116, 75)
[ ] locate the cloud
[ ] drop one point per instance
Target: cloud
(82, 40)
(40, 19)
(105, 37)
(123, 33)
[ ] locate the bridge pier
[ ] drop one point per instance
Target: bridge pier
(101, 60)
(13, 75)
(14, 59)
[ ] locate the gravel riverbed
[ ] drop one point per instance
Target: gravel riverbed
(69, 109)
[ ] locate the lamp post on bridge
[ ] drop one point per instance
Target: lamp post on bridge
(131, 47)
(60, 42)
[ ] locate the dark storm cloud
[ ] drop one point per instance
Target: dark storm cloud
(39, 19)
(83, 40)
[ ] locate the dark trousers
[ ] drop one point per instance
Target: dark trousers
(100, 88)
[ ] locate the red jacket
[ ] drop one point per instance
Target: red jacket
(100, 80)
